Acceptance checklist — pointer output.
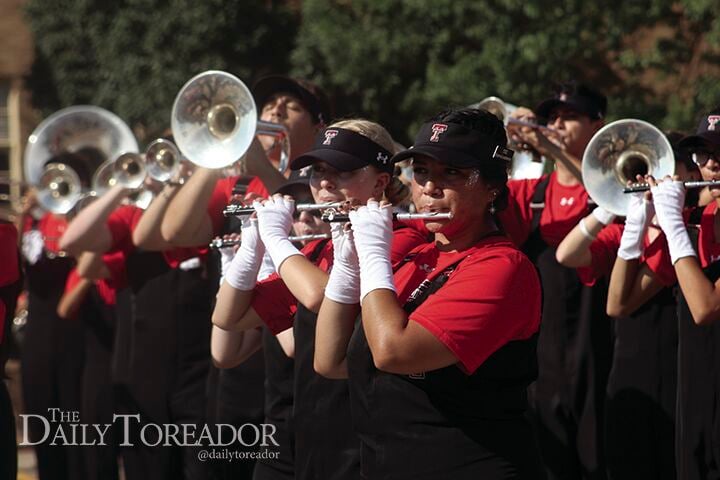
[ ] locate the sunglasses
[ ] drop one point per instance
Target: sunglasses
(701, 158)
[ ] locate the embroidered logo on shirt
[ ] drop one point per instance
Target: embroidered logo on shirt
(417, 376)
(566, 202)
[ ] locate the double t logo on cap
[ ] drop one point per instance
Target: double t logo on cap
(437, 129)
(712, 122)
(329, 135)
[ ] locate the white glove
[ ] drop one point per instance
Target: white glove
(226, 256)
(344, 282)
(669, 199)
(637, 221)
(372, 227)
(243, 270)
(603, 216)
(274, 222)
(32, 246)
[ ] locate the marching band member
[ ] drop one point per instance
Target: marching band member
(196, 217)
(10, 286)
(574, 347)
(439, 365)
(350, 162)
(90, 298)
(52, 353)
(170, 333)
(698, 424)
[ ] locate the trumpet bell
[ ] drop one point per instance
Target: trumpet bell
(59, 188)
(162, 160)
(129, 170)
(497, 106)
(617, 153)
(73, 129)
(140, 199)
(214, 119)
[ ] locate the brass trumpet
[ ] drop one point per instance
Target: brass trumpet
(619, 152)
(214, 120)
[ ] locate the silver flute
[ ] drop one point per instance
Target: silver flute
(644, 187)
(223, 243)
(236, 209)
(332, 216)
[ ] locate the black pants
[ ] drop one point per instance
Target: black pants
(98, 399)
(8, 445)
(52, 362)
(574, 358)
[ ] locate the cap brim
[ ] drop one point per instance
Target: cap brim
(288, 187)
(268, 86)
(546, 108)
(440, 154)
(701, 140)
(341, 161)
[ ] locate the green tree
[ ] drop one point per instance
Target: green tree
(400, 61)
(133, 56)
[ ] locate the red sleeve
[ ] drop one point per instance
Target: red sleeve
(516, 218)
(121, 224)
(72, 280)
(603, 251)
(405, 239)
(258, 187)
(9, 268)
(218, 201)
(115, 263)
(475, 322)
(274, 303)
(657, 258)
(272, 299)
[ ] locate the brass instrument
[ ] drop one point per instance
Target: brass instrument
(619, 152)
(94, 135)
(214, 120)
(526, 163)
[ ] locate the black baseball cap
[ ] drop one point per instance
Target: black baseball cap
(345, 150)
(298, 179)
(707, 134)
(311, 96)
(580, 98)
(455, 145)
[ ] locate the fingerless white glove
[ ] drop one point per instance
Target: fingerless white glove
(243, 270)
(603, 216)
(274, 223)
(372, 228)
(344, 281)
(637, 221)
(669, 199)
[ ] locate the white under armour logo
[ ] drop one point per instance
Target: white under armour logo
(566, 202)
(426, 268)
(382, 158)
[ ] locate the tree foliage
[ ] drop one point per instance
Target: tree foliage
(133, 56)
(395, 61)
(400, 61)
